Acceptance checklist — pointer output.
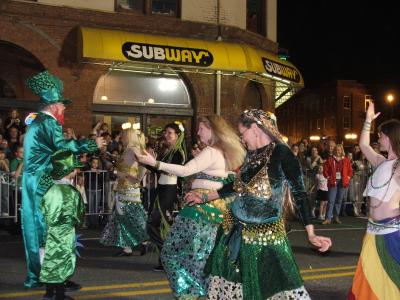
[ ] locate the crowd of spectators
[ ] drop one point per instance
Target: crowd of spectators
(332, 194)
(95, 180)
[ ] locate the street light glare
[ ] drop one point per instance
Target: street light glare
(390, 98)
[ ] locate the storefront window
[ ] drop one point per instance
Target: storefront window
(151, 125)
(255, 20)
(152, 100)
(130, 4)
(6, 91)
(155, 124)
(165, 7)
(121, 87)
(115, 122)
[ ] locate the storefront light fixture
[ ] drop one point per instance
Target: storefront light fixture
(104, 97)
(167, 85)
(350, 136)
(151, 101)
(276, 78)
(315, 138)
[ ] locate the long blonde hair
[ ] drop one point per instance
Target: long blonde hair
(135, 140)
(225, 139)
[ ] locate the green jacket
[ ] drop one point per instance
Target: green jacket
(63, 209)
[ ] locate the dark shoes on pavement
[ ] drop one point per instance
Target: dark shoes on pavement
(71, 286)
(158, 268)
(142, 249)
(122, 253)
(66, 297)
(327, 222)
(57, 291)
(337, 221)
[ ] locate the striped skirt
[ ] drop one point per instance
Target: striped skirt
(377, 275)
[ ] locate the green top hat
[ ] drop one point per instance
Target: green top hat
(64, 162)
(48, 87)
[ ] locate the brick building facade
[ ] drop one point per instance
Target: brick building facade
(38, 35)
(333, 111)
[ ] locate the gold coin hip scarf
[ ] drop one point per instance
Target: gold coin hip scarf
(257, 234)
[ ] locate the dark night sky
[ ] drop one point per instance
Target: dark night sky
(337, 39)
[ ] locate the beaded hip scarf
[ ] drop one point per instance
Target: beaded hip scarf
(257, 234)
(388, 226)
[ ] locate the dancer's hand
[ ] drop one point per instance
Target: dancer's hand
(193, 198)
(146, 158)
(321, 242)
(100, 142)
(371, 115)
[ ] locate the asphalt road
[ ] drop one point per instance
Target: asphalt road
(327, 277)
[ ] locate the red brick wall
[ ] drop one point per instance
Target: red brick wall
(48, 33)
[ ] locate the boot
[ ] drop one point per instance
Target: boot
(143, 248)
(337, 221)
(49, 292)
(60, 292)
(326, 222)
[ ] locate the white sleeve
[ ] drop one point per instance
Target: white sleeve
(201, 162)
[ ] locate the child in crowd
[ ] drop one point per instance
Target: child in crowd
(63, 209)
(80, 186)
(322, 191)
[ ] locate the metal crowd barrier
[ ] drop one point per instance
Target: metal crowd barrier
(354, 194)
(10, 194)
(96, 190)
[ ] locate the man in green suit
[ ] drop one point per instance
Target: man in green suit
(44, 137)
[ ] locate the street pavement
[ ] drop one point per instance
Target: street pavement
(327, 276)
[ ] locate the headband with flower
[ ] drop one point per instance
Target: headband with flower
(180, 145)
(267, 121)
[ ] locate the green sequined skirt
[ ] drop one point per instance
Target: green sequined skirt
(265, 267)
(128, 229)
(188, 245)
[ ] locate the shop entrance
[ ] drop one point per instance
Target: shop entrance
(150, 98)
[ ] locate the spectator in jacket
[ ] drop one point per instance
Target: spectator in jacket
(338, 171)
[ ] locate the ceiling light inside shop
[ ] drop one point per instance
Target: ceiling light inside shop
(151, 100)
(167, 85)
(104, 98)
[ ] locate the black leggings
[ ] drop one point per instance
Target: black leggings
(167, 199)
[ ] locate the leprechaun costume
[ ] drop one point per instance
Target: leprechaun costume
(44, 137)
(63, 209)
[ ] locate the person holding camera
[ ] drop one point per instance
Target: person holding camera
(14, 121)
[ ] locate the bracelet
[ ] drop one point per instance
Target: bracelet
(204, 198)
(367, 126)
(157, 165)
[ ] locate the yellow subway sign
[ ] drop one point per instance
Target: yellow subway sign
(123, 46)
(167, 54)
